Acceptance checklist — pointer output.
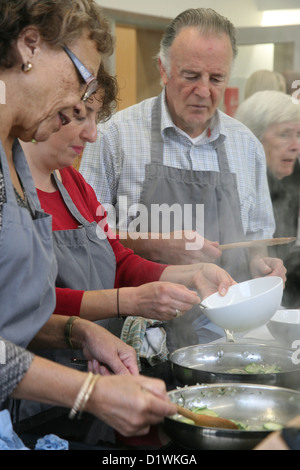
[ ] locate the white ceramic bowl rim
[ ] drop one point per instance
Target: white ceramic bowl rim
(277, 281)
(287, 317)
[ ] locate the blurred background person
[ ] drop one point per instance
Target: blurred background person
(264, 80)
(275, 120)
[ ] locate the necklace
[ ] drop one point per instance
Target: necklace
(22, 202)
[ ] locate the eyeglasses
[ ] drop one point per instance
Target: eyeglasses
(86, 75)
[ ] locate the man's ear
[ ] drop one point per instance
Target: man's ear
(28, 43)
(163, 73)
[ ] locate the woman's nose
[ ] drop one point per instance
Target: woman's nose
(295, 143)
(89, 133)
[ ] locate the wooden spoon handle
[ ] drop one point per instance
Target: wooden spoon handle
(257, 243)
(205, 420)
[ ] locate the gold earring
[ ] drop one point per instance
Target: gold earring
(27, 67)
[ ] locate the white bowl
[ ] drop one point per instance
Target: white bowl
(285, 326)
(247, 305)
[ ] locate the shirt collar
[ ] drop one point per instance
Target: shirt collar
(215, 132)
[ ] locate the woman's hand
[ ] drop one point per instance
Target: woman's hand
(157, 300)
(130, 404)
(98, 344)
(206, 278)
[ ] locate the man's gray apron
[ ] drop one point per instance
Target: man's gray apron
(86, 262)
(218, 192)
(27, 262)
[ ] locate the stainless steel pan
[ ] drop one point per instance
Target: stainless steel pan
(251, 404)
(210, 363)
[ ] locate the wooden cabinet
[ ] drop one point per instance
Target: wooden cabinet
(136, 69)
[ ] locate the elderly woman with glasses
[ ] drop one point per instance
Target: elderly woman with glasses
(274, 117)
(50, 53)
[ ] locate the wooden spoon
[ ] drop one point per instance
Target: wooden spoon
(205, 420)
(257, 243)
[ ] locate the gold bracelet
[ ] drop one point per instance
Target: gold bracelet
(68, 332)
(83, 395)
(88, 394)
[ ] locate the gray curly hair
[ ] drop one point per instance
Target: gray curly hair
(59, 21)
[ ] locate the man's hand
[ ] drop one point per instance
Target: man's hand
(266, 266)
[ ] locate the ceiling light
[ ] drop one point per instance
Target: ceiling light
(280, 17)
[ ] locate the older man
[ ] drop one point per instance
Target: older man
(179, 151)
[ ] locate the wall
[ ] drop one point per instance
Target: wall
(135, 68)
(241, 13)
(140, 24)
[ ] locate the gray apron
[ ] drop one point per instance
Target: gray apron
(27, 262)
(85, 258)
(85, 261)
(218, 192)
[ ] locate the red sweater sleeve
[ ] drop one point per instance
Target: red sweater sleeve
(68, 301)
(132, 270)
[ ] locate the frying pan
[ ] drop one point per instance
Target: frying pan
(251, 404)
(213, 363)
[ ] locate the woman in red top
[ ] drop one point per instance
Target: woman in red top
(89, 279)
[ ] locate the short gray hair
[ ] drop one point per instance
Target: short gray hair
(206, 20)
(265, 108)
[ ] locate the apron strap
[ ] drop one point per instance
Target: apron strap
(222, 158)
(69, 203)
(10, 194)
(157, 143)
(25, 176)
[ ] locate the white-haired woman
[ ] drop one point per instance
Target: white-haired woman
(274, 118)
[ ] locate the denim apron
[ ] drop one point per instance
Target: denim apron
(218, 192)
(27, 262)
